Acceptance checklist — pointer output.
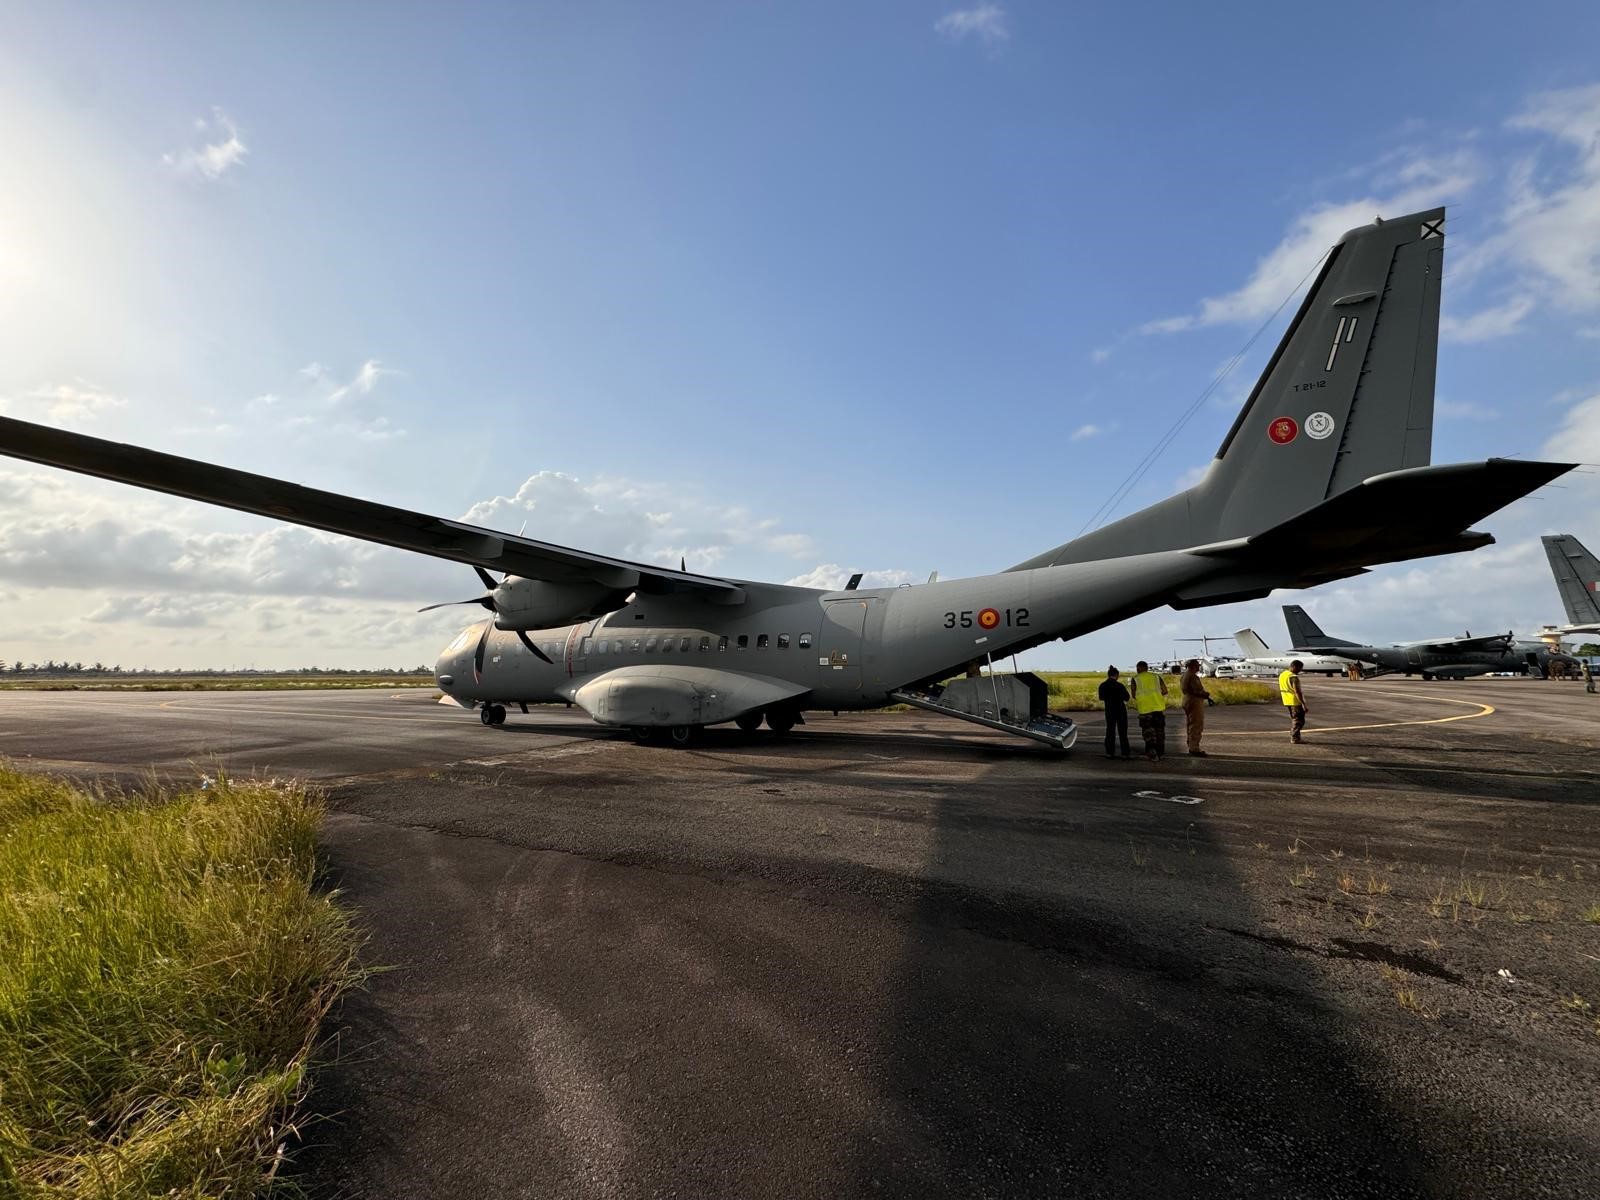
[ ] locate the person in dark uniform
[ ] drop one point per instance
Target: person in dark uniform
(1115, 699)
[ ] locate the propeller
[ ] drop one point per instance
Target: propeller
(487, 601)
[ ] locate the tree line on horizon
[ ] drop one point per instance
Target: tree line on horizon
(51, 667)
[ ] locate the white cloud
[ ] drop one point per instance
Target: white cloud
(1416, 182)
(1481, 326)
(361, 385)
(1578, 438)
(1089, 430)
(65, 403)
(1553, 219)
(220, 148)
(1099, 354)
(831, 577)
(984, 23)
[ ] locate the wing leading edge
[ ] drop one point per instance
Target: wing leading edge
(347, 515)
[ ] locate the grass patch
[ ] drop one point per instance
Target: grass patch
(1592, 914)
(1074, 691)
(164, 967)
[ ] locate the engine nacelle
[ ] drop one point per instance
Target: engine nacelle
(539, 604)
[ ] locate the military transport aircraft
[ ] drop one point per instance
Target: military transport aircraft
(1323, 474)
(1578, 580)
(1441, 658)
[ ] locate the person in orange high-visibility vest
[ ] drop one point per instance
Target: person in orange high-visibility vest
(1294, 699)
(1150, 698)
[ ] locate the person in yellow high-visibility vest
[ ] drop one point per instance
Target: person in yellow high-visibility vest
(1150, 698)
(1294, 699)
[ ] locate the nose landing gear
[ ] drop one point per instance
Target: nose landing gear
(492, 714)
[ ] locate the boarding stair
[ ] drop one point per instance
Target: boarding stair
(1017, 704)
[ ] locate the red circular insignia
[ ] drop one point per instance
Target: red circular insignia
(988, 619)
(1283, 430)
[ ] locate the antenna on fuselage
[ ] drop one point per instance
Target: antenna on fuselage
(855, 582)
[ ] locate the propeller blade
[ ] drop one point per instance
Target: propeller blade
(528, 642)
(486, 601)
(489, 581)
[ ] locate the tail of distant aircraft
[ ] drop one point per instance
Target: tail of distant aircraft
(1577, 577)
(1325, 471)
(1250, 644)
(1306, 634)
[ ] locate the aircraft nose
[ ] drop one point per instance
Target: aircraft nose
(453, 667)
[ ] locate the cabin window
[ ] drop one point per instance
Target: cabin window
(744, 641)
(783, 641)
(761, 641)
(805, 641)
(636, 645)
(600, 647)
(666, 645)
(650, 646)
(683, 645)
(722, 642)
(583, 648)
(705, 644)
(616, 647)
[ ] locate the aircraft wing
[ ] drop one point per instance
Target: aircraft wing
(1498, 641)
(348, 515)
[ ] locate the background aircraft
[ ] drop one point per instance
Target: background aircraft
(1446, 658)
(1324, 474)
(1259, 660)
(1577, 575)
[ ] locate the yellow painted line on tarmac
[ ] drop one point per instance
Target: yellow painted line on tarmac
(1484, 710)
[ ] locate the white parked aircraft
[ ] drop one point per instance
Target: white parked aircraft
(1260, 660)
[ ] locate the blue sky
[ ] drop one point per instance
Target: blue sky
(787, 290)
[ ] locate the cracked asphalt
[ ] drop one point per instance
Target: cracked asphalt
(895, 955)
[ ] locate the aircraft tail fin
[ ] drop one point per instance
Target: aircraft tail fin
(1577, 577)
(1306, 634)
(1250, 644)
(1346, 397)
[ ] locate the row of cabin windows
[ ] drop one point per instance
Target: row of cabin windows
(667, 645)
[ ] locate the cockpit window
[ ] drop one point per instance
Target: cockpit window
(783, 641)
(805, 641)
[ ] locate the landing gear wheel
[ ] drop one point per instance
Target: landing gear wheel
(643, 734)
(492, 714)
(748, 722)
(1426, 678)
(780, 721)
(683, 735)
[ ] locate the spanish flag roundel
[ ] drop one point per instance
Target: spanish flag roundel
(988, 619)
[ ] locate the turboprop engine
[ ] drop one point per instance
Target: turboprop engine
(539, 604)
(520, 604)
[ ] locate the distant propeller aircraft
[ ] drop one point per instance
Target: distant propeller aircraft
(1324, 474)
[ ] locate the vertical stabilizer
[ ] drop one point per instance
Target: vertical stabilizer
(1250, 644)
(1347, 395)
(1577, 577)
(1306, 634)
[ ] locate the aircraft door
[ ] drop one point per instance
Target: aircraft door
(839, 652)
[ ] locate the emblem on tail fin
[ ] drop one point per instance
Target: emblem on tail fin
(1283, 430)
(1320, 425)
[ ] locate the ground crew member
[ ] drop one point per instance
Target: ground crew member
(1195, 699)
(1115, 699)
(1588, 676)
(1294, 699)
(1150, 698)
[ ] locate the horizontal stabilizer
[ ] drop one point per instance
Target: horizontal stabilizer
(1405, 514)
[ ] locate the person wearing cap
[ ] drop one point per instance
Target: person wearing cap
(1294, 699)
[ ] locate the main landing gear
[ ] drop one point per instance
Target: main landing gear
(492, 714)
